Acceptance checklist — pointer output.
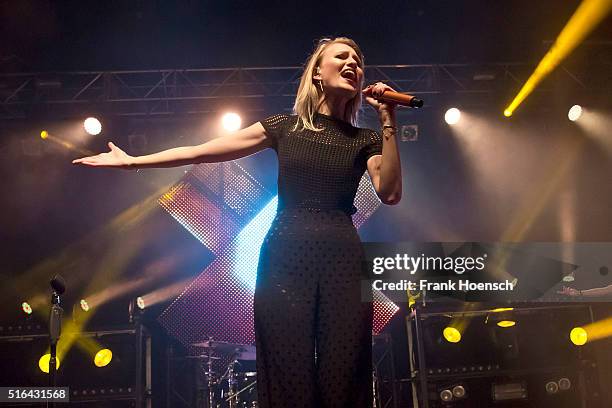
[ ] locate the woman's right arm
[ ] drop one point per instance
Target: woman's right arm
(232, 146)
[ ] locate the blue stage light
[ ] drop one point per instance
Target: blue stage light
(248, 243)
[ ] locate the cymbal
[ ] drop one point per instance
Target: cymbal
(224, 346)
(204, 357)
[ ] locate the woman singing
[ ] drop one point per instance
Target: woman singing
(312, 327)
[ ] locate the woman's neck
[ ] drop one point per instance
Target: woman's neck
(334, 107)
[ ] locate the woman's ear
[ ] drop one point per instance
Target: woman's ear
(317, 74)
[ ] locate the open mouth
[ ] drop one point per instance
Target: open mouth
(349, 75)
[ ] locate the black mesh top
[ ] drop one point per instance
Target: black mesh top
(321, 169)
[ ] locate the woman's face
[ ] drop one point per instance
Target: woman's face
(341, 70)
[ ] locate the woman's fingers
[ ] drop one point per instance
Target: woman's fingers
(380, 88)
(102, 158)
(377, 89)
(81, 160)
(87, 160)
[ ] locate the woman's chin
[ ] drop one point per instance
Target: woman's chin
(345, 91)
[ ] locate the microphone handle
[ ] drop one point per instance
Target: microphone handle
(400, 99)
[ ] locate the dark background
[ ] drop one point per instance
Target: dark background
(69, 35)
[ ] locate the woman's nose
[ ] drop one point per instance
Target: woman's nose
(352, 63)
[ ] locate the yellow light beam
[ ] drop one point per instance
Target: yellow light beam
(111, 263)
(599, 330)
(97, 244)
(535, 203)
(45, 135)
(558, 170)
(585, 19)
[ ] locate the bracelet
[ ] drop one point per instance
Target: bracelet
(389, 127)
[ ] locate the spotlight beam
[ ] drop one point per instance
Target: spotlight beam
(588, 15)
(598, 330)
(45, 135)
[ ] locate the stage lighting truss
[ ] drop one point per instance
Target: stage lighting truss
(196, 91)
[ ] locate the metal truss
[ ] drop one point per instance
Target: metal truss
(188, 91)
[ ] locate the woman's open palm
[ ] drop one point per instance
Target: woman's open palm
(115, 158)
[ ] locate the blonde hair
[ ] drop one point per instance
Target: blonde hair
(308, 98)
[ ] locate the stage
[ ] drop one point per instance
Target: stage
(487, 284)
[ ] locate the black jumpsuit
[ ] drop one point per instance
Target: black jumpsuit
(308, 295)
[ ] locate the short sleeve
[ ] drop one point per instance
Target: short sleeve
(275, 126)
(374, 145)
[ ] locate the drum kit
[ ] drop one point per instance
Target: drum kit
(237, 386)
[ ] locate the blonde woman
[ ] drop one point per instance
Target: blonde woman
(312, 327)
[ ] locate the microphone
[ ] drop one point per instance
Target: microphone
(400, 99)
(58, 284)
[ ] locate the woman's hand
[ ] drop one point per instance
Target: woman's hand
(373, 91)
(569, 291)
(115, 158)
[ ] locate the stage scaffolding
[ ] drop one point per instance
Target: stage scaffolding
(163, 92)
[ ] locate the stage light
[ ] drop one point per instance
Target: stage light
(84, 305)
(565, 384)
(578, 336)
(451, 335)
(231, 121)
(43, 363)
(446, 395)
(44, 134)
(92, 126)
(103, 358)
(551, 387)
(248, 244)
(140, 303)
(27, 309)
(574, 113)
(459, 391)
(506, 323)
(452, 116)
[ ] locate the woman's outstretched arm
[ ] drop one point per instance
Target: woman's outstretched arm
(232, 146)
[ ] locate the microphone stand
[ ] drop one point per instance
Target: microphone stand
(55, 329)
